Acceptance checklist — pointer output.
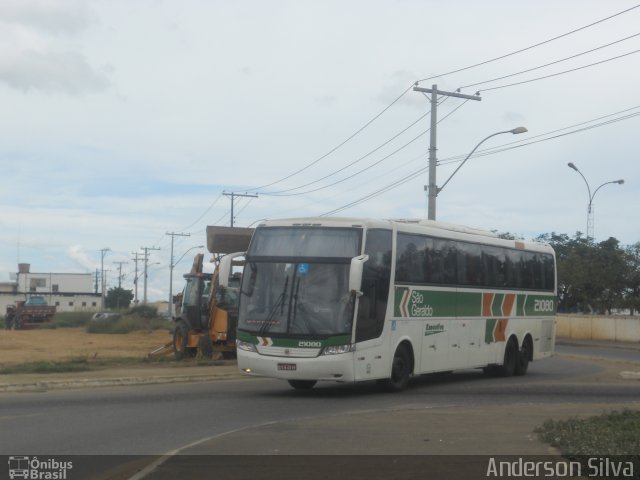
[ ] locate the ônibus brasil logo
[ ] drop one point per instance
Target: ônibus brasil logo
(36, 469)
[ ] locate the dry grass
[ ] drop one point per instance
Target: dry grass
(63, 344)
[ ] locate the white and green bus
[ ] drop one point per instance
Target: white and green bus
(349, 300)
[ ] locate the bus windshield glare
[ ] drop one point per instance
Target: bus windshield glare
(296, 282)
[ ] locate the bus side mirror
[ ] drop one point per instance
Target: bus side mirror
(355, 274)
(224, 269)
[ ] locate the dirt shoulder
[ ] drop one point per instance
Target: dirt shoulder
(22, 346)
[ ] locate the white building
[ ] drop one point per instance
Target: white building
(69, 292)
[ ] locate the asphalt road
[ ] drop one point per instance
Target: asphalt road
(265, 416)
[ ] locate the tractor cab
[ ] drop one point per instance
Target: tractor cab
(207, 315)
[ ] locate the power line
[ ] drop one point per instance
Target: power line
(232, 196)
(561, 73)
(205, 212)
(337, 146)
(373, 164)
(354, 162)
(551, 63)
(415, 173)
(335, 172)
(531, 46)
(357, 132)
(479, 153)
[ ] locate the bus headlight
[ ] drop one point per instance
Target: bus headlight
(337, 349)
(246, 346)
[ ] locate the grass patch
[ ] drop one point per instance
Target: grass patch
(80, 364)
(614, 435)
(126, 324)
(69, 320)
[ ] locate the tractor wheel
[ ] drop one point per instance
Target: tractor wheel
(205, 347)
(181, 340)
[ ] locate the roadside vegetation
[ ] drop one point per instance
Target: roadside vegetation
(78, 364)
(138, 318)
(141, 318)
(596, 277)
(613, 435)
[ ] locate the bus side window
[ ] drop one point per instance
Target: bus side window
(375, 285)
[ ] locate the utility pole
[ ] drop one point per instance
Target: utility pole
(432, 188)
(136, 259)
(120, 272)
(173, 235)
(146, 262)
(233, 196)
(103, 252)
(96, 280)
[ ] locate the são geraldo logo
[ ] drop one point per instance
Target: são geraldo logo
(38, 469)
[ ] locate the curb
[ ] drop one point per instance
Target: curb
(43, 386)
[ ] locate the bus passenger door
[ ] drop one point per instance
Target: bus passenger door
(370, 361)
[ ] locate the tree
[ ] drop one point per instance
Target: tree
(632, 292)
(595, 277)
(118, 298)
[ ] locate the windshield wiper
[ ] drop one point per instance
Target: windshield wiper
(272, 313)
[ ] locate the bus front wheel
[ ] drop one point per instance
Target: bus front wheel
(400, 371)
(302, 384)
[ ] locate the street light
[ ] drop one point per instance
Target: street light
(591, 197)
(515, 131)
(171, 265)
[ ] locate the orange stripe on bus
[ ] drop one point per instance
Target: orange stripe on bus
(501, 329)
(507, 304)
(487, 300)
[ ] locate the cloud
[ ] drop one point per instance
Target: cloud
(80, 256)
(66, 72)
(53, 16)
(37, 52)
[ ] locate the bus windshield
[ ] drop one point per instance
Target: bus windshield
(297, 298)
(296, 281)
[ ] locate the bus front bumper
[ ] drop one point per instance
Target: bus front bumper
(336, 368)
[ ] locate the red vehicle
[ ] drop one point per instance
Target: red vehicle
(32, 313)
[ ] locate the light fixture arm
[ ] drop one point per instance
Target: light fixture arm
(514, 131)
(620, 182)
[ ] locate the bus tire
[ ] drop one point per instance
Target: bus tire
(524, 356)
(511, 354)
(302, 384)
(400, 371)
(181, 340)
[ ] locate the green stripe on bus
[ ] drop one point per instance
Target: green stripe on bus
(410, 302)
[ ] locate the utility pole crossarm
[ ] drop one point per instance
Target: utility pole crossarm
(447, 94)
(233, 196)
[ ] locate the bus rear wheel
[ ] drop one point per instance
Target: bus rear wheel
(511, 357)
(524, 356)
(302, 384)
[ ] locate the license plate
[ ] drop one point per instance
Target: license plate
(287, 366)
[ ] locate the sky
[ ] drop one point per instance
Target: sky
(124, 121)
